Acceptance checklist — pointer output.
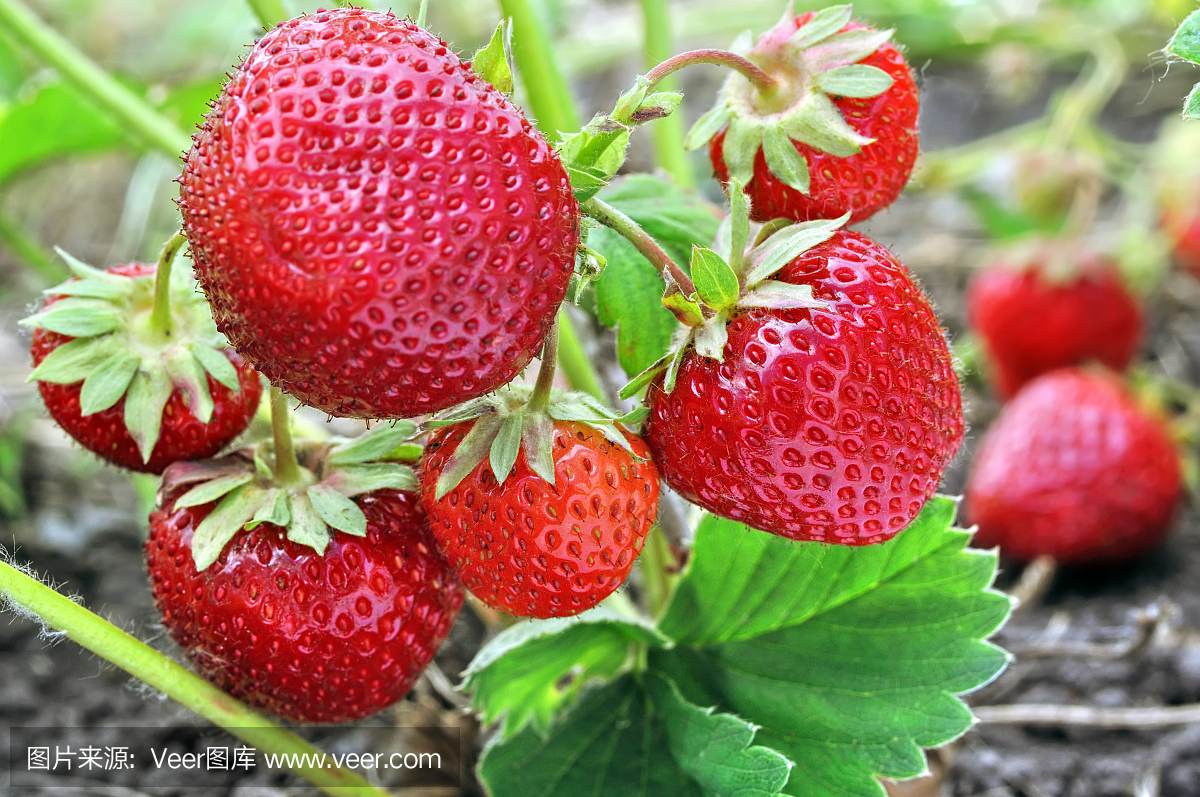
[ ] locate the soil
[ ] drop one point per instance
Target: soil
(83, 527)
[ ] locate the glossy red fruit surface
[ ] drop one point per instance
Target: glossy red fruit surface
(1073, 468)
(306, 636)
(538, 550)
(860, 184)
(830, 425)
(1032, 323)
(183, 435)
(378, 230)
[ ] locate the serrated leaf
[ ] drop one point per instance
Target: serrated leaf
(845, 48)
(784, 160)
(537, 436)
(74, 318)
(740, 148)
(716, 749)
(273, 510)
(226, 520)
(505, 446)
(711, 336)
(352, 480)
(74, 360)
(1191, 107)
(789, 243)
(823, 24)
(776, 295)
(306, 527)
(818, 123)
(144, 402)
(1185, 43)
(470, 452)
(849, 659)
(491, 63)
(855, 80)
(190, 377)
(609, 744)
(521, 673)
(715, 280)
(217, 365)
(212, 490)
(337, 510)
(707, 126)
(372, 445)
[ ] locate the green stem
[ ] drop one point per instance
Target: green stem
(540, 398)
(574, 360)
(668, 133)
(549, 96)
(655, 557)
(134, 113)
(1084, 101)
(421, 13)
(628, 229)
(287, 468)
(750, 70)
(160, 316)
(59, 613)
(269, 12)
(30, 252)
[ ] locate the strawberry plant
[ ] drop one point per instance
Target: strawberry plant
(381, 232)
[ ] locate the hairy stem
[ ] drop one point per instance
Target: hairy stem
(547, 90)
(668, 132)
(60, 614)
(540, 398)
(628, 229)
(269, 12)
(287, 468)
(160, 316)
(760, 79)
(131, 111)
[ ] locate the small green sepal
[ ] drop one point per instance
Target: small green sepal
(493, 62)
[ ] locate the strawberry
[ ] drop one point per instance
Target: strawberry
(138, 396)
(378, 229)
(311, 623)
(548, 525)
(1073, 468)
(836, 134)
(1044, 307)
(819, 402)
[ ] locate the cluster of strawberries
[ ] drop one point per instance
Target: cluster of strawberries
(380, 233)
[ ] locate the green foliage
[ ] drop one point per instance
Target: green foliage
(826, 666)
(1185, 44)
(49, 123)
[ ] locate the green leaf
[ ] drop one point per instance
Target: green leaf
(274, 510)
(715, 749)
(337, 510)
(742, 142)
(144, 402)
(823, 24)
(855, 80)
(229, 517)
(505, 446)
(849, 659)
(190, 377)
(522, 673)
(784, 160)
(351, 480)
(1185, 43)
(372, 445)
(609, 744)
(470, 452)
(789, 243)
(217, 365)
(52, 122)
(1191, 107)
(707, 126)
(537, 436)
(212, 490)
(491, 63)
(586, 182)
(74, 360)
(75, 318)
(845, 48)
(716, 283)
(306, 527)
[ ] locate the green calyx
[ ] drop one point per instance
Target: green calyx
(508, 420)
(814, 64)
(494, 61)
(732, 277)
(120, 350)
(248, 493)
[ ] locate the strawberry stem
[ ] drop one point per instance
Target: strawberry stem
(540, 398)
(648, 248)
(668, 132)
(287, 467)
(160, 316)
(421, 13)
(751, 71)
(24, 594)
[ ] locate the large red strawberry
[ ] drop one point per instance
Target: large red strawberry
(820, 404)
(138, 395)
(311, 623)
(1073, 468)
(540, 512)
(379, 230)
(1042, 308)
(838, 132)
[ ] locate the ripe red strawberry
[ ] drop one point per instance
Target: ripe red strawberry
(191, 394)
(838, 136)
(829, 421)
(534, 548)
(307, 636)
(378, 229)
(1073, 468)
(1044, 308)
